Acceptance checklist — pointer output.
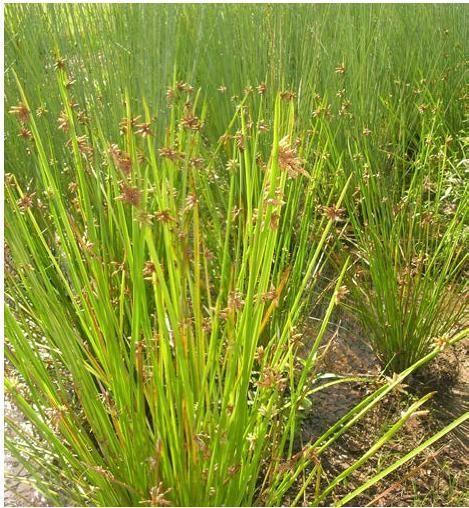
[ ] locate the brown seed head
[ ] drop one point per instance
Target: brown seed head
(127, 124)
(148, 269)
(191, 202)
(422, 108)
(144, 130)
(21, 111)
(239, 138)
(259, 354)
(85, 147)
(170, 94)
(232, 165)
(224, 139)
(170, 153)
(274, 202)
(289, 160)
(235, 212)
(263, 126)
(191, 122)
(63, 122)
(25, 133)
(121, 159)
(271, 295)
(340, 69)
(184, 87)
(325, 111)
(164, 216)
(197, 162)
(41, 111)
(333, 213)
(274, 221)
(287, 95)
(235, 301)
(59, 63)
(69, 83)
(271, 378)
(26, 202)
(158, 494)
(144, 218)
(341, 293)
(131, 195)
(82, 117)
(261, 88)
(441, 342)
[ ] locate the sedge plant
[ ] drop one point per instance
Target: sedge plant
(151, 317)
(147, 315)
(408, 235)
(158, 275)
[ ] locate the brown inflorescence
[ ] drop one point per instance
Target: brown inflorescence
(121, 159)
(21, 111)
(131, 195)
(289, 160)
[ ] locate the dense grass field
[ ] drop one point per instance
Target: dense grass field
(194, 196)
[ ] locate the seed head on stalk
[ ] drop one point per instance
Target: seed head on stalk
(261, 88)
(144, 130)
(25, 133)
(191, 122)
(170, 153)
(120, 158)
(128, 123)
(26, 202)
(158, 494)
(340, 69)
(63, 121)
(287, 95)
(288, 159)
(59, 63)
(333, 213)
(130, 195)
(164, 216)
(21, 111)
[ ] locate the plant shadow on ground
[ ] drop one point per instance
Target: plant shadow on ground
(436, 477)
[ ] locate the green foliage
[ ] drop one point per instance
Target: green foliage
(408, 229)
(173, 214)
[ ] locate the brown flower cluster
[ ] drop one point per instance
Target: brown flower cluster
(333, 213)
(130, 195)
(26, 202)
(272, 378)
(191, 122)
(127, 124)
(121, 159)
(289, 161)
(158, 494)
(180, 87)
(144, 129)
(84, 146)
(287, 95)
(63, 122)
(164, 216)
(21, 111)
(270, 296)
(261, 88)
(171, 154)
(235, 303)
